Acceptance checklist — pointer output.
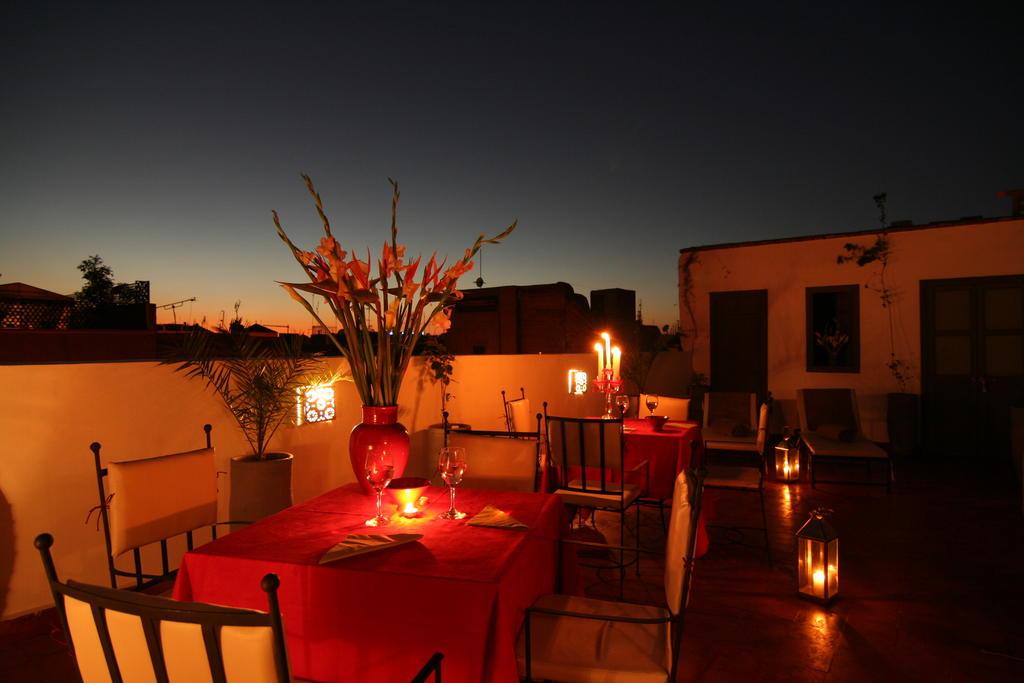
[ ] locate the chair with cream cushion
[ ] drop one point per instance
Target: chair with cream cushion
(830, 429)
(118, 635)
(587, 462)
(569, 638)
(498, 460)
(518, 415)
(677, 409)
(150, 500)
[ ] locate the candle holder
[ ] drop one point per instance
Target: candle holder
(407, 492)
(607, 385)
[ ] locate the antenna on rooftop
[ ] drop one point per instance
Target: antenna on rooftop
(175, 306)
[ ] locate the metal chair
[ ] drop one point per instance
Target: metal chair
(587, 463)
(431, 668)
(498, 460)
(737, 477)
(569, 638)
(153, 499)
(517, 412)
(830, 427)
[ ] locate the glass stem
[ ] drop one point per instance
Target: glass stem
(451, 507)
(380, 496)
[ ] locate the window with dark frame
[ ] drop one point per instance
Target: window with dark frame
(833, 329)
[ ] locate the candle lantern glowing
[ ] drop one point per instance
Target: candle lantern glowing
(817, 558)
(407, 492)
(608, 381)
(787, 457)
(577, 382)
(314, 403)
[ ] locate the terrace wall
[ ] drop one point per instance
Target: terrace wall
(49, 414)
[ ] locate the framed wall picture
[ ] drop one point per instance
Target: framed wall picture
(833, 328)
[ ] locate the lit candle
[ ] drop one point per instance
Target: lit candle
(616, 361)
(607, 349)
(600, 358)
(819, 582)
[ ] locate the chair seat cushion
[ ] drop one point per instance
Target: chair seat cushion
(733, 477)
(574, 649)
(607, 501)
(861, 448)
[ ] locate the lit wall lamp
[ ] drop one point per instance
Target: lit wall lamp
(577, 383)
(314, 403)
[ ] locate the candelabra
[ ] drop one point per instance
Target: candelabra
(607, 385)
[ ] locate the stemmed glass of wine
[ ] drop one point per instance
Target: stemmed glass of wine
(622, 400)
(380, 468)
(452, 465)
(652, 402)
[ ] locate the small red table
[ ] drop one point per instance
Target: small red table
(460, 590)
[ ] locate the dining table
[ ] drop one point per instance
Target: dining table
(459, 589)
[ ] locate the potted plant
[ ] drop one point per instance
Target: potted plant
(902, 407)
(257, 380)
(382, 316)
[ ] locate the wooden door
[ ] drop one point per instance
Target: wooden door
(739, 341)
(972, 337)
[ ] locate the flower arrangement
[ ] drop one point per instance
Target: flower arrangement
(833, 341)
(382, 316)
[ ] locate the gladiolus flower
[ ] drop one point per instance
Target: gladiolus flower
(439, 323)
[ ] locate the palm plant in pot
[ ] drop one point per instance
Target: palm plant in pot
(257, 381)
(382, 316)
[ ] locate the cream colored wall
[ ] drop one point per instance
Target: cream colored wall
(786, 269)
(49, 414)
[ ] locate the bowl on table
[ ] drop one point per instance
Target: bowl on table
(407, 493)
(656, 421)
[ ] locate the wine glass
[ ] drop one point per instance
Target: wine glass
(452, 465)
(380, 468)
(652, 402)
(622, 400)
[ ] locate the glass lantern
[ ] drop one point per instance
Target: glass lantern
(817, 558)
(787, 457)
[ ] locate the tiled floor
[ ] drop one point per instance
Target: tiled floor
(932, 589)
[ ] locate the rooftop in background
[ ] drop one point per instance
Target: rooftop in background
(895, 226)
(22, 292)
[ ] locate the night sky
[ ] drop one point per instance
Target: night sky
(161, 136)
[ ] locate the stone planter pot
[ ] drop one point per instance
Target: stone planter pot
(260, 488)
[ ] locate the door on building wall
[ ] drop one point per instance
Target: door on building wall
(972, 370)
(739, 341)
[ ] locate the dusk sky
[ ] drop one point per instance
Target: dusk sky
(161, 136)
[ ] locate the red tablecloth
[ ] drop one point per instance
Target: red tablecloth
(668, 452)
(460, 590)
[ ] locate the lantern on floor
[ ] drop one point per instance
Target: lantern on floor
(577, 383)
(787, 457)
(817, 558)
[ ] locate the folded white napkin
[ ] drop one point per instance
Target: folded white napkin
(360, 544)
(493, 517)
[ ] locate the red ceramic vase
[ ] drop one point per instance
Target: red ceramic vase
(381, 430)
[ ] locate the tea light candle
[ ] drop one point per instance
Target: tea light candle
(407, 492)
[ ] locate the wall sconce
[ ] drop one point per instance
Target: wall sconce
(314, 403)
(817, 558)
(577, 383)
(787, 457)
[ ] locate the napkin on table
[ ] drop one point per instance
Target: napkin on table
(493, 517)
(360, 544)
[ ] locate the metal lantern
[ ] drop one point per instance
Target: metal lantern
(817, 558)
(787, 457)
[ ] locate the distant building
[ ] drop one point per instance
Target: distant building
(614, 310)
(549, 318)
(25, 307)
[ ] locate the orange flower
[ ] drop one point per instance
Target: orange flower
(440, 322)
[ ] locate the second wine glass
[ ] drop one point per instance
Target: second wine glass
(652, 402)
(380, 468)
(452, 465)
(622, 400)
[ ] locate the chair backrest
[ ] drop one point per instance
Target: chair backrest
(827, 406)
(157, 498)
(589, 450)
(118, 635)
(730, 408)
(153, 499)
(520, 417)
(500, 461)
(507, 408)
(681, 541)
(675, 408)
